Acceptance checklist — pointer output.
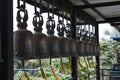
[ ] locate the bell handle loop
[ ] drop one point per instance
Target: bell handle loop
(39, 22)
(20, 18)
(60, 28)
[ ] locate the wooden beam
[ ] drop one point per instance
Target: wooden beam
(110, 20)
(113, 19)
(45, 9)
(105, 4)
(86, 17)
(6, 27)
(115, 24)
(94, 9)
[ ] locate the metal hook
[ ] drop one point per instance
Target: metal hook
(21, 6)
(35, 7)
(52, 9)
(66, 16)
(62, 10)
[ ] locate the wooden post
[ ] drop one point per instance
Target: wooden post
(74, 59)
(6, 26)
(97, 57)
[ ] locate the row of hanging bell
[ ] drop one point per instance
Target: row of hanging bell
(86, 44)
(38, 45)
(49, 46)
(94, 46)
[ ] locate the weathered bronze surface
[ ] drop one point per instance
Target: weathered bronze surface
(53, 41)
(23, 44)
(40, 41)
(63, 42)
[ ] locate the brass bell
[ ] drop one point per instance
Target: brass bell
(79, 42)
(94, 48)
(91, 44)
(72, 42)
(22, 37)
(97, 49)
(86, 43)
(53, 41)
(90, 48)
(40, 42)
(63, 42)
(93, 41)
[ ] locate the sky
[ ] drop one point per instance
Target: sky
(103, 28)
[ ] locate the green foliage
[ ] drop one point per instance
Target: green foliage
(108, 53)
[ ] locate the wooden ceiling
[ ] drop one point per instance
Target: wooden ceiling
(104, 11)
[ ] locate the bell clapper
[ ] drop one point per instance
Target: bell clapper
(62, 66)
(25, 73)
(52, 70)
(42, 71)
